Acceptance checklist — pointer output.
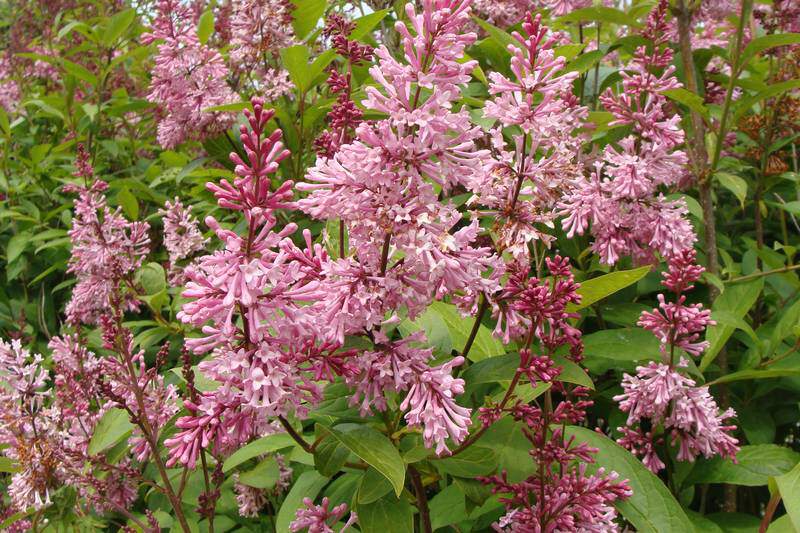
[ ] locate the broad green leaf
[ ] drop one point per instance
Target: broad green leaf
(571, 372)
(329, 456)
(205, 26)
(79, 71)
(113, 426)
(651, 508)
(447, 330)
(365, 24)
(595, 289)
(600, 14)
(474, 461)
(689, 99)
(757, 424)
(746, 105)
(234, 107)
(5, 125)
(295, 59)
(736, 184)
(508, 441)
(734, 522)
(7, 466)
(789, 320)
(759, 44)
(729, 319)
(501, 36)
(117, 26)
(448, 507)
(782, 525)
(736, 300)
(375, 449)
(755, 374)
(152, 278)
(627, 344)
(755, 465)
(386, 515)
(17, 245)
(263, 476)
(268, 444)
(491, 370)
(789, 487)
(307, 485)
(129, 203)
(373, 487)
(305, 15)
(584, 62)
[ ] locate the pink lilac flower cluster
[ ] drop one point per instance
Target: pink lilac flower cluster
(522, 184)
(622, 199)
(405, 245)
(321, 518)
(187, 78)
(106, 248)
(182, 237)
(505, 13)
(661, 394)
(562, 495)
(47, 435)
(345, 116)
(259, 29)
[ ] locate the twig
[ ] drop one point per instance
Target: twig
(295, 435)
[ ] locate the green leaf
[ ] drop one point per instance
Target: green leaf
(736, 184)
(79, 71)
(117, 26)
(365, 24)
(625, 344)
(447, 330)
(755, 465)
(17, 245)
(387, 515)
(584, 62)
(205, 26)
(595, 289)
(329, 456)
(448, 507)
(113, 426)
(736, 300)
(152, 278)
(263, 476)
(729, 319)
(571, 372)
(651, 508)
(295, 59)
(600, 14)
(766, 42)
(305, 15)
(129, 203)
(7, 466)
(373, 487)
(474, 461)
(789, 319)
(268, 444)
(789, 487)
(307, 485)
(755, 374)
(689, 99)
(746, 104)
(375, 449)
(501, 36)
